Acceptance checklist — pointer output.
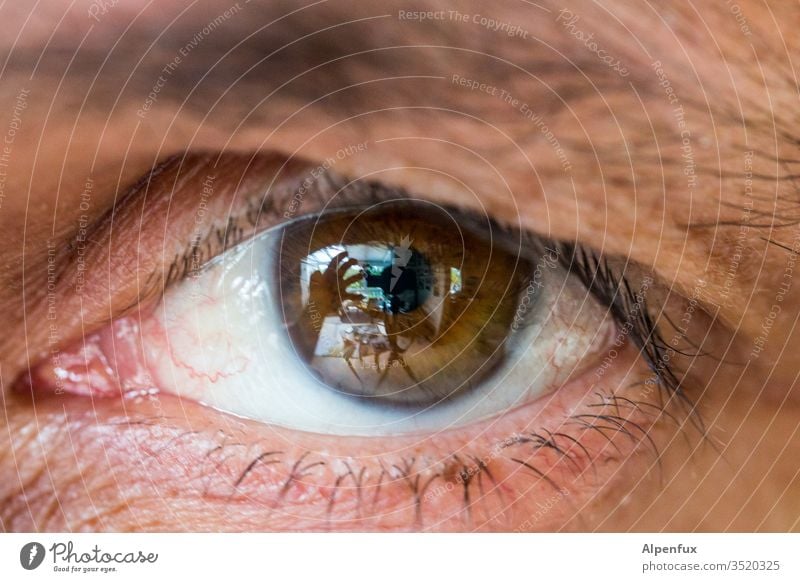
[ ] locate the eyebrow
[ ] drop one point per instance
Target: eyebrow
(314, 50)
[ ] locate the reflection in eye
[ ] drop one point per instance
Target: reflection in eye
(401, 304)
(397, 318)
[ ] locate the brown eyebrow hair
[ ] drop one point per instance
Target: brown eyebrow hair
(251, 50)
(363, 56)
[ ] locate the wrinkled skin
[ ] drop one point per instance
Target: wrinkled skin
(651, 164)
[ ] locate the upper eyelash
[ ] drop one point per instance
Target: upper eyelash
(629, 308)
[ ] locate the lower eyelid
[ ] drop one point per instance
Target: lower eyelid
(187, 451)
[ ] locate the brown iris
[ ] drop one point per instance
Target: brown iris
(403, 301)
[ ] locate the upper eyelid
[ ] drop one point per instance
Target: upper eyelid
(279, 202)
(120, 260)
(208, 203)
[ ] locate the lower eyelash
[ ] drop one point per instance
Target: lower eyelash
(616, 415)
(356, 488)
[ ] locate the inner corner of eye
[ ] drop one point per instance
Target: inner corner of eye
(396, 317)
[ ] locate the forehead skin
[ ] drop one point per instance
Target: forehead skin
(649, 131)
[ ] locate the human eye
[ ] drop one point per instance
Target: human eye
(429, 358)
(397, 317)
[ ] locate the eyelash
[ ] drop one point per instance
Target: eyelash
(203, 249)
(630, 310)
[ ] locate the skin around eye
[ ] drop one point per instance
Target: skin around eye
(206, 392)
(266, 333)
(555, 427)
